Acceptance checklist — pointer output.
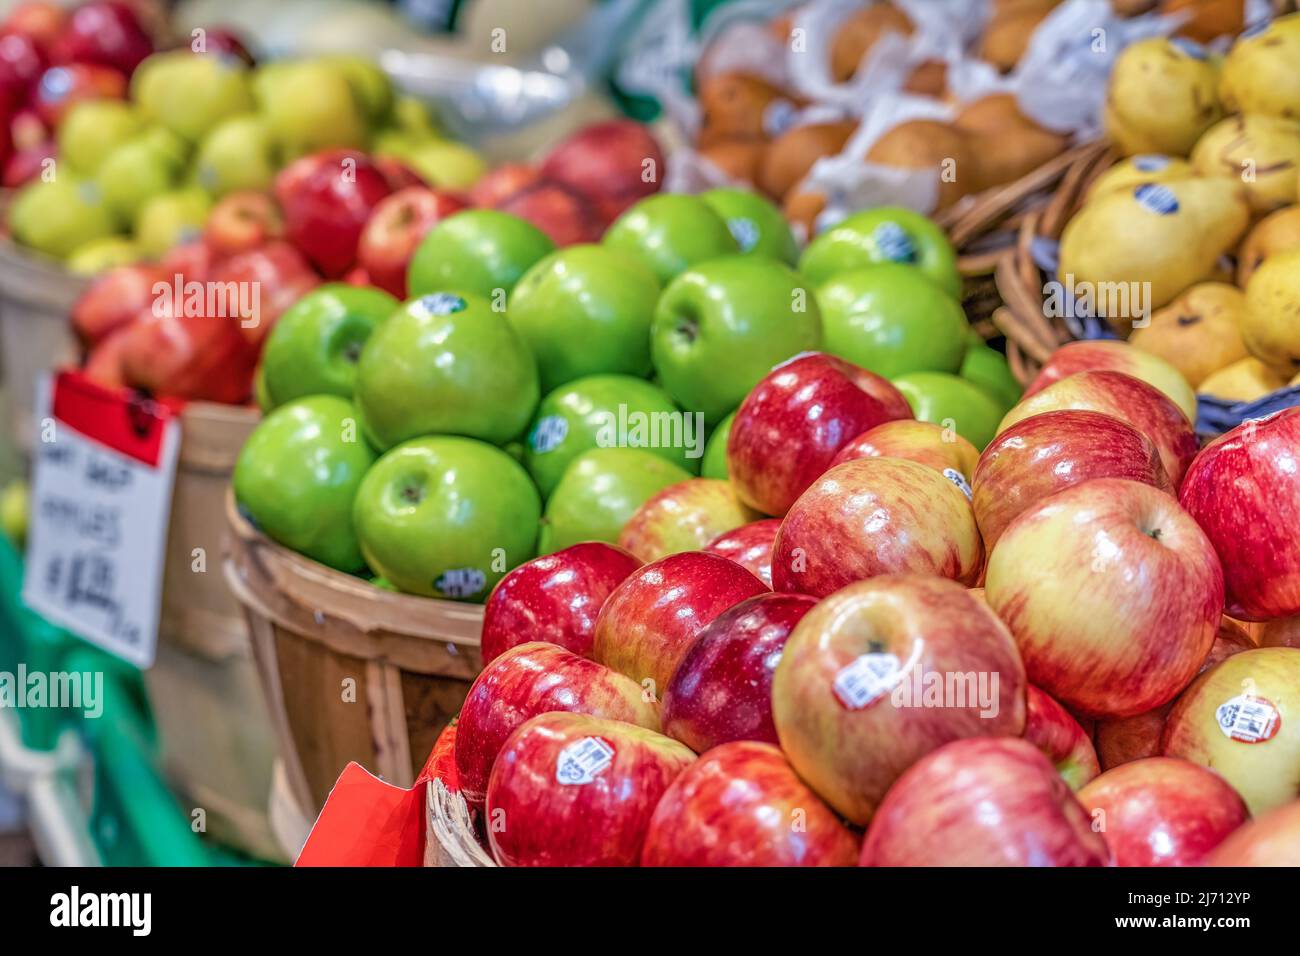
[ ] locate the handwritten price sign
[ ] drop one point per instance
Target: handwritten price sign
(103, 464)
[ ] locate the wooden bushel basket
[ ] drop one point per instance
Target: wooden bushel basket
(449, 836)
(350, 671)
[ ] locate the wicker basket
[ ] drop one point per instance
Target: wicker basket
(350, 671)
(450, 838)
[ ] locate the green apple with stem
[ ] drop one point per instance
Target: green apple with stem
(446, 517)
(950, 401)
(298, 474)
(715, 451)
(599, 491)
(604, 411)
(139, 169)
(720, 327)
(316, 344)
(59, 216)
(446, 363)
(586, 309)
(755, 223)
(94, 128)
(479, 250)
(883, 234)
(891, 319)
(191, 94)
(171, 218)
(237, 155)
(671, 232)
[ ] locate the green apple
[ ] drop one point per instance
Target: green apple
(100, 255)
(94, 128)
(167, 220)
(721, 326)
(446, 517)
(481, 250)
(316, 344)
(59, 216)
(297, 476)
(606, 411)
(599, 491)
(715, 452)
(892, 319)
(444, 164)
(446, 363)
(755, 223)
(412, 117)
(191, 94)
(671, 232)
(14, 505)
(261, 396)
(585, 309)
(370, 84)
(884, 234)
(237, 155)
(952, 402)
(988, 369)
(310, 106)
(135, 172)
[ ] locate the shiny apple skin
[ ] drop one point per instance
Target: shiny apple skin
(1110, 620)
(742, 804)
(1160, 811)
(852, 756)
(608, 163)
(1244, 490)
(1050, 728)
(722, 689)
(325, 210)
(1270, 840)
(1266, 773)
(985, 801)
(750, 546)
(1122, 739)
(394, 230)
(1115, 356)
(922, 442)
(1121, 396)
(793, 423)
(650, 620)
(534, 820)
(533, 679)
(1047, 453)
(555, 598)
(874, 516)
(684, 517)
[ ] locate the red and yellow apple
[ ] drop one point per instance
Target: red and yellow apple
(750, 546)
(684, 517)
(1270, 840)
(922, 442)
(1053, 730)
(1113, 355)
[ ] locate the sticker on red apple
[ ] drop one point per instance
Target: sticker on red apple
(958, 479)
(866, 679)
(441, 303)
(583, 761)
(1248, 720)
(460, 582)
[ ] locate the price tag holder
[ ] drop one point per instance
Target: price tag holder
(104, 462)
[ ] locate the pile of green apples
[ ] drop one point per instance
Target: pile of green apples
(134, 178)
(525, 398)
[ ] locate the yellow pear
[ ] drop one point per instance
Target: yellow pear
(1155, 238)
(1143, 168)
(1271, 324)
(1261, 73)
(1276, 232)
(1261, 151)
(1198, 332)
(1162, 95)
(1243, 381)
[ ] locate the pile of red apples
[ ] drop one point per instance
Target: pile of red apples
(1078, 648)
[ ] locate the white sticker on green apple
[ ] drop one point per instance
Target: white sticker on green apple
(958, 479)
(894, 242)
(441, 303)
(583, 761)
(1248, 720)
(744, 231)
(866, 679)
(548, 433)
(460, 582)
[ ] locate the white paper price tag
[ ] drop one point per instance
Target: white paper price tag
(103, 467)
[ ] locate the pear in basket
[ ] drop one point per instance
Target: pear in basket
(1278, 232)
(1245, 380)
(928, 144)
(1263, 152)
(1199, 332)
(1159, 239)
(1260, 72)
(1006, 143)
(1270, 327)
(1162, 95)
(1142, 168)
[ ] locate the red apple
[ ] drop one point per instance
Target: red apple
(21, 66)
(554, 598)
(922, 442)
(61, 86)
(741, 804)
(1162, 812)
(502, 183)
(173, 353)
(564, 215)
(192, 261)
(879, 674)
(241, 221)
(40, 20)
(789, 428)
(1047, 453)
(397, 174)
(875, 516)
(327, 198)
(650, 620)
(531, 679)
(1242, 719)
(574, 790)
(613, 164)
(25, 165)
(750, 546)
(1121, 396)
(104, 365)
(722, 688)
(107, 33)
(1115, 356)
(683, 517)
(441, 762)
(275, 276)
(1051, 728)
(225, 45)
(1244, 490)
(114, 299)
(1272, 840)
(395, 229)
(1113, 593)
(982, 802)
